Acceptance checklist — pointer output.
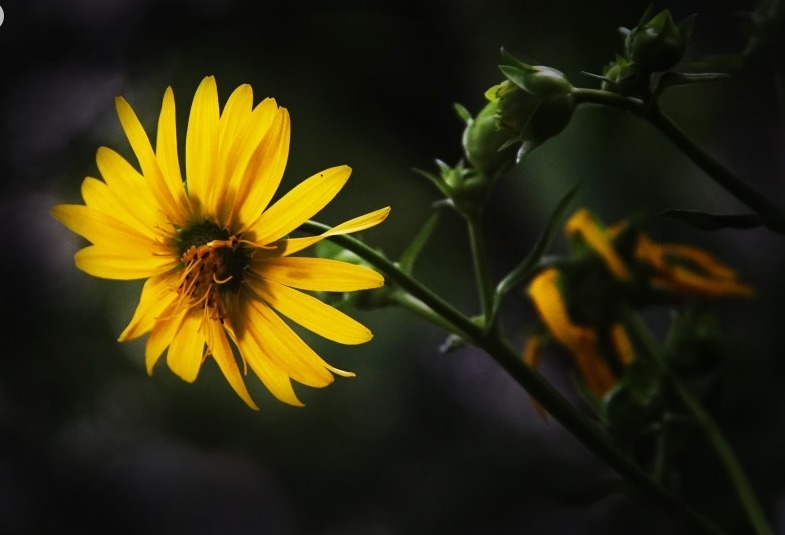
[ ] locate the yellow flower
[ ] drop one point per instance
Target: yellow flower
(581, 341)
(688, 270)
(214, 250)
(599, 239)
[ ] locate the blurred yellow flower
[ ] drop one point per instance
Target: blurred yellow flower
(214, 250)
(581, 341)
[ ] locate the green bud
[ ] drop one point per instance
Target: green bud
(624, 77)
(658, 44)
(551, 116)
(537, 80)
(484, 139)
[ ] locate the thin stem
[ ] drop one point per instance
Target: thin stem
(721, 174)
(716, 438)
(415, 306)
(718, 172)
(480, 259)
(561, 409)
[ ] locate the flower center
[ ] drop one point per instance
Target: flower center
(213, 262)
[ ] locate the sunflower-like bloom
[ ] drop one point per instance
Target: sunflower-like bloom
(578, 303)
(216, 252)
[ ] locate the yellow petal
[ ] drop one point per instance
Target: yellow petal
(285, 349)
(126, 183)
(275, 379)
(157, 295)
(223, 355)
(104, 230)
(293, 245)
(254, 162)
(232, 124)
(622, 344)
(186, 351)
(201, 145)
(598, 239)
(299, 205)
(166, 149)
(318, 274)
(98, 196)
(263, 172)
(311, 313)
(148, 162)
(109, 264)
(162, 334)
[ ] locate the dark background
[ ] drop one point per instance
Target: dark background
(419, 441)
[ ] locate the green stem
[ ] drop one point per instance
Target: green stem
(480, 258)
(559, 407)
(716, 438)
(724, 177)
(412, 304)
(718, 172)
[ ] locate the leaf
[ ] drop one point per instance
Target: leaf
(409, 256)
(707, 221)
(673, 79)
(526, 268)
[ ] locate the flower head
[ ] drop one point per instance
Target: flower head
(216, 252)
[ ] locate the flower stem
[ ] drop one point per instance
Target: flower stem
(716, 438)
(721, 174)
(480, 258)
(552, 400)
(718, 172)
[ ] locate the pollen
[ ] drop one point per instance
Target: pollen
(209, 270)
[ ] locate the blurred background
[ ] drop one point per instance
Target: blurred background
(420, 441)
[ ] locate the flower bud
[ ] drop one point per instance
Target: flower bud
(486, 141)
(537, 80)
(659, 44)
(624, 77)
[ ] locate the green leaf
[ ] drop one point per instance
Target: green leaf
(409, 256)
(531, 263)
(707, 221)
(673, 79)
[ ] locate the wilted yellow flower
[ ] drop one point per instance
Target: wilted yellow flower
(214, 250)
(580, 340)
(688, 270)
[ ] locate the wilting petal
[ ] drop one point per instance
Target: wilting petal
(311, 313)
(318, 274)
